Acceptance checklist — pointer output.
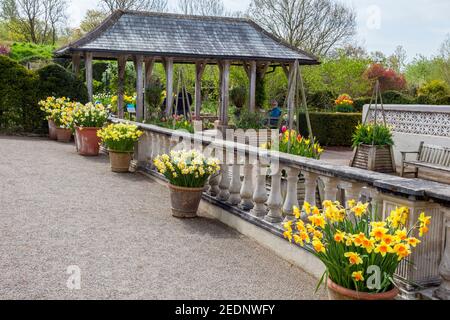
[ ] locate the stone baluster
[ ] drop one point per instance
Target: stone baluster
(291, 193)
(260, 193)
(330, 190)
(310, 187)
(157, 145)
(247, 187)
(352, 190)
(214, 185)
(224, 184)
(376, 204)
(166, 144)
(235, 186)
(443, 292)
(275, 202)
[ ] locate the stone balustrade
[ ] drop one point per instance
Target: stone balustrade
(263, 187)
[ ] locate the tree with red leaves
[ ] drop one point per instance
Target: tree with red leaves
(4, 50)
(389, 79)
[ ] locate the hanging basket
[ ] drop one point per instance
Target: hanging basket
(374, 158)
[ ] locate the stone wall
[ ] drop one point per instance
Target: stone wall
(415, 123)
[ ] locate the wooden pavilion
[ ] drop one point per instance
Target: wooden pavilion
(147, 37)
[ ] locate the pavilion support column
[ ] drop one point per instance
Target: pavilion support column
(225, 96)
(76, 59)
(149, 64)
(168, 66)
(89, 80)
(199, 69)
(121, 65)
(139, 62)
(252, 93)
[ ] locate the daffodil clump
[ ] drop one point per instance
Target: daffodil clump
(126, 100)
(90, 115)
(187, 168)
(60, 110)
(119, 137)
(347, 240)
(292, 142)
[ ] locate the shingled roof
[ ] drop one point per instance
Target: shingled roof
(184, 36)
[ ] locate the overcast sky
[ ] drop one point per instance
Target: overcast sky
(420, 26)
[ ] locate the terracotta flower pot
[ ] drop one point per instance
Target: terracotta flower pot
(88, 144)
(51, 130)
(120, 161)
(63, 135)
(185, 201)
(336, 292)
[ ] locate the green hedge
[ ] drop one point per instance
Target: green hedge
(18, 92)
(331, 129)
(21, 90)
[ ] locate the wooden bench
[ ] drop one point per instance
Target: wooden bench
(429, 157)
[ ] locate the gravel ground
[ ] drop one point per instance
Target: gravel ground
(59, 209)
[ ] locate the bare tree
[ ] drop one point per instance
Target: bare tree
(91, 20)
(202, 7)
(54, 16)
(29, 13)
(8, 10)
(149, 5)
(316, 26)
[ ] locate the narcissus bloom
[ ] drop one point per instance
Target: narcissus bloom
(388, 239)
(317, 221)
(358, 276)
(401, 234)
(288, 235)
(402, 250)
(353, 258)
(339, 236)
(296, 212)
(358, 239)
(368, 244)
(413, 241)
(360, 209)
(318, 246)
(378, 233)
(423, 230)
(383, 248)
(424, 220)
(307, 207)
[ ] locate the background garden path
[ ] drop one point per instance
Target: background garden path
(59, 209)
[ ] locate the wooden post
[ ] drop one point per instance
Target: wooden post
(76, 64)
(252, 93)
(225, 84)
(89, 81)
(121, 66)
(199, 69)
(138, 63)
(149, 64)
(168, 66)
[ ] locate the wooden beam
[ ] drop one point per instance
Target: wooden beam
(149, 64)
(138, 62)
(76, 59)
(199, 70)
(252, 92)
(225, 85)
(286, 70)
(168, 66)
(89, 81)
(121, 67)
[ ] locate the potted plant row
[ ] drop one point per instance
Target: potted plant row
(187, 172)
(360, 254)
(119, 139)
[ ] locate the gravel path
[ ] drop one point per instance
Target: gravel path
(59, 209)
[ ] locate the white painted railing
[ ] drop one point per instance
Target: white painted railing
(266, 185)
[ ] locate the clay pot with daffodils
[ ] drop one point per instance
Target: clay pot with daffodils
(88, 120)
(360, 254)
(51, 106)
(119, 139)
(64, 121)
(187, 172)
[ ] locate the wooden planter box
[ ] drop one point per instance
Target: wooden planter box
(374, 158)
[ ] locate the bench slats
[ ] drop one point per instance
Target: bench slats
(431, 157)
